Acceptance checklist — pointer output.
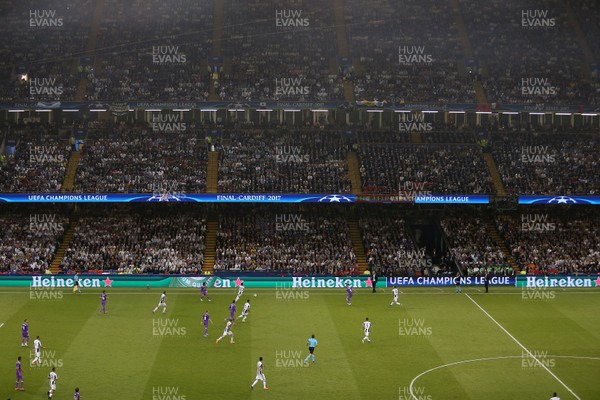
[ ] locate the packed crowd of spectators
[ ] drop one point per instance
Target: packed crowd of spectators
(42, 42)
(153, 50)
(28, 242)
(281, 161)
(38, 162)
(389, 248)
(406, 28)
(279, 52)
(260, 239)
(133, 159)
(543, 243)
(471, 246)
(563, 164)
(137, 242)
(523, 40)
(428, 169)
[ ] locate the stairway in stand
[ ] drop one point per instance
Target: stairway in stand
(354, 172)
(69, 180)
(64, 244)
(496, 179)
(357, 245)
(210, 245)
(212, 171)
(495, 235)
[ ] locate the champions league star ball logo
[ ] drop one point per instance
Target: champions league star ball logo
(164, 197)
(562, 200)
(334, 198)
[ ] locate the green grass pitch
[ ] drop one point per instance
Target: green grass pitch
(132, 354)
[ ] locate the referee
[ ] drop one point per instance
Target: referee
(312, 343)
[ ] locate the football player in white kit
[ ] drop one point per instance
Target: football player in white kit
(240, 291)
(395, 293)
(37, 347)
(52, 378)
(260, 375)
(367, 330)
(162, 303)
(227, 332)
(245, 311)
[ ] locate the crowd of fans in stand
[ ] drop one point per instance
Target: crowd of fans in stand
(38, 163)
(302, 161)
(471, 245)
(558, 245)
(294, 243)
(137, 243)
(563, 164)
(383, 75)
(424, 169)
(273, 59)
(135, 160)
(28, 242)
(510, 47)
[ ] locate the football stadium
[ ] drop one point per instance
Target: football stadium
(300, 199)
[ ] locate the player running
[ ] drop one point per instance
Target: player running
(260, 374)
(240, 291)
(205, 320)
(76, 395)
(103, 298)
(25, 334)
(19, 383)
(348, 294)
(395, 293)
(232, 309)
(204, 292)
(245, 311)
(312, 343)
(162, 303)
(367, 330)
(52, 378)
(37, 347)
(227, 332)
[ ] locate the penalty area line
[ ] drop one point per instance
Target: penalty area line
(525, 349)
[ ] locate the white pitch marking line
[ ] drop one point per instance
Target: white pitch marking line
(479, 360)
(526, 350)
(1, 325)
